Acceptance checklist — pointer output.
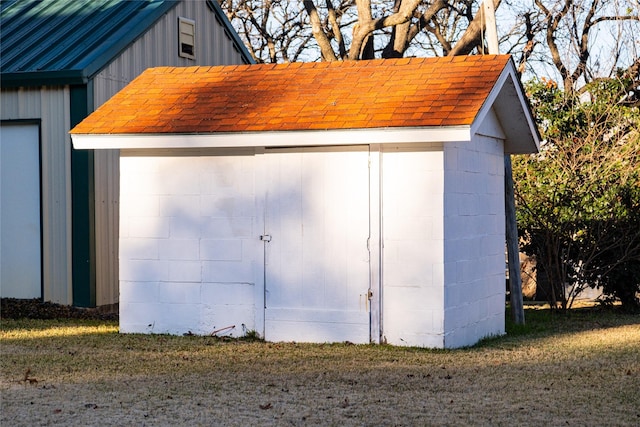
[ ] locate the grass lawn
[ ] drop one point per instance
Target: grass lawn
(582, 368)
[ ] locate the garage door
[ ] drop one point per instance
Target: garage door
(20, 237)
(316, 256)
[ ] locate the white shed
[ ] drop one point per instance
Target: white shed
(319, 202)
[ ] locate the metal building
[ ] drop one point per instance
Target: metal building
(60, 60)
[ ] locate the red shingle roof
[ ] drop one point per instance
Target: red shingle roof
(405, 92)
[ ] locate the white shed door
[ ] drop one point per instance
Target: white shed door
(317, 261)
(20, 251)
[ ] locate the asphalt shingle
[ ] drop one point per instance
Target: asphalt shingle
(404, 92)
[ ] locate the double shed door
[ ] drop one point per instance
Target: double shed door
(317, 259)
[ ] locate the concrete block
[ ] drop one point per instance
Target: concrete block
(227, 228)
(228, 293)
(138, 248)
(466, 271)
(227, 271)
(492, 245)
(179, 249)
(180, 178)
(178, 319)
(398, 299)
(185, 271)
(181, 229)
(179, 293)
(140, 205)
(224, 206)
(454, 317)
(184, 206)
(144, 270)
(454, 228)
(450, 159)
(221, 249)
(139, 183)
(140, 317)
(406, 227)
(406, 274)
(138, 292)
(151, 227)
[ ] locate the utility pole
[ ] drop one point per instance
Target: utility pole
(491, 29)
(513, 249)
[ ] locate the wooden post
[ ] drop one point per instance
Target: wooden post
(513, 249)
(491, 29)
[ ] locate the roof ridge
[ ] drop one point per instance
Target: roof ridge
(344, 64)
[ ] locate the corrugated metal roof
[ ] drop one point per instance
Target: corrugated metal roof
(69, 39)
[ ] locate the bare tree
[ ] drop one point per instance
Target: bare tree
(273, 30)
(390, 31)
(573, 41)
(278, 30)
(580, 40)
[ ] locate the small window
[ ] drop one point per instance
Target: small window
(186, 38)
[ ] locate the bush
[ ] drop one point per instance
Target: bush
(578, 200)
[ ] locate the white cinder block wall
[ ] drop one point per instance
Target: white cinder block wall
(191, 260)
(187, 245)
(412, 232)
(474, 242)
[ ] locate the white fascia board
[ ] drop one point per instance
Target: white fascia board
(273, 139)
(509, 102)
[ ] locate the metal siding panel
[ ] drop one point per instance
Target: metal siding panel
(56, 119)
(51, 106)
(106, 223)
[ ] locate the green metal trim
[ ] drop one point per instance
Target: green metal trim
(83, 254)
(42, 78)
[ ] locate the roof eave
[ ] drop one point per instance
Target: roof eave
(508, 100)
(43, 78)
(309, 138)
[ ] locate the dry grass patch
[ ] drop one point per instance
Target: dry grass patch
(581, 369)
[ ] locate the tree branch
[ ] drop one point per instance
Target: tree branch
(318, 33)
(472, 36)
(335, 27)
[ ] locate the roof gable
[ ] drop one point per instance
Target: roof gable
(68, 41)
(405, 93)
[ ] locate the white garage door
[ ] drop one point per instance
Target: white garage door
(317, 261)
(20, 237)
